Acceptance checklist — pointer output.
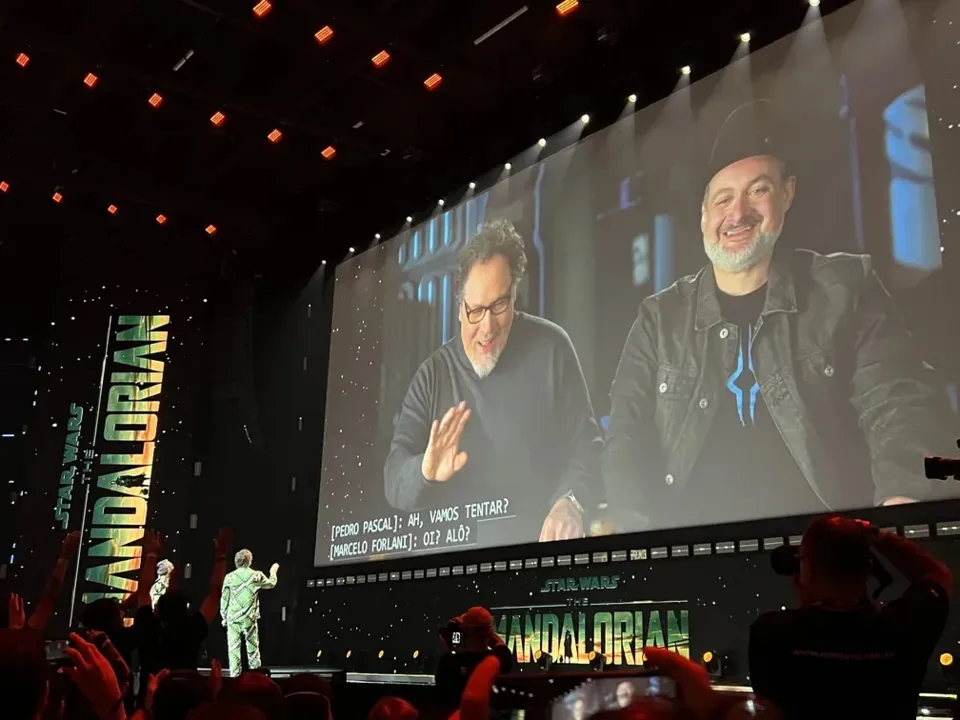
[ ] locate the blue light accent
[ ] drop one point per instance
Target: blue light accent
(732, 385)
(952, 395)
(432, 235)
(537, 240)
(446, 228)
(430, 291)
(402, 254)
(416, 245)
(445, 313)
(663, 246)
(605, 422)
(755, 388)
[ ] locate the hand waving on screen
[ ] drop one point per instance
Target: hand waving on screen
(443, 456)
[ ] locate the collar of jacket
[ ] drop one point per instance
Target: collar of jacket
(781, 293)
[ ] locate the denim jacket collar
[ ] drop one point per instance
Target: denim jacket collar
(781, 293)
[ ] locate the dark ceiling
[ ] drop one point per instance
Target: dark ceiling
(399, 147)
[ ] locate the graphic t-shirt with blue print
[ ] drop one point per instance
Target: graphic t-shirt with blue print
(745, 470)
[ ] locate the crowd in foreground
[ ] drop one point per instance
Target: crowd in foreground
(839, 654)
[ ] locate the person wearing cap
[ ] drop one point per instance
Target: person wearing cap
(479, 640)
(162, 583)
(775, 381)
(863, 659)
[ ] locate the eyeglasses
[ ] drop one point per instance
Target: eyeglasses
(476, 314)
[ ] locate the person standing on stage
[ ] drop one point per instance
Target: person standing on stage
(240, 609)
(162, 583)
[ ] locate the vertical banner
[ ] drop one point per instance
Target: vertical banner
(108, 462)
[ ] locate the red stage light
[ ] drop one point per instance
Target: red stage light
(4, 186)
(275, 136)
(328, 152)
(112, 209)
(217, 118)
(432, 82)
(57, 197)
(262, 8)
(162, 219)
(23, 59)
(324, 34)
(380, 59)
(567, 7)
(211, 230)
(156, 100)
(90, 80)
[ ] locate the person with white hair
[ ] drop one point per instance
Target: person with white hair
(160, 586)
(240, 609)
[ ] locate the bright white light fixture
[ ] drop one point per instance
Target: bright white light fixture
(542, 142)
(584, 118)
(473, 185)
(814, 3)
(632, 98)
(376, 236)
(440, 202)
(745, 37)
(685, 70)
(507, 166)
(409, 218)
(351, 250)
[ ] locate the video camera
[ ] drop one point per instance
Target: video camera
(939, 468)
(785, 561)
(452, 633)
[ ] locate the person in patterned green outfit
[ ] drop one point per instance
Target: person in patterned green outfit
(240, 609)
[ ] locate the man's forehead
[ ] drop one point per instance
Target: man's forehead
(488, 277)
(746, 170)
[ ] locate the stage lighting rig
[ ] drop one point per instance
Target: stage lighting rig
(566, 7)
(23, 60)
(543, 659)
(717, 666)
(686, 70)
(632, 98)
(4, 186)
(939, 468)
(433, 82)
(324, 34)
(598, 661)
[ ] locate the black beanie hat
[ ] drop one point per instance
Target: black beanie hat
(750, 130)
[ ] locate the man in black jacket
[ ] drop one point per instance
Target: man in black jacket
(498, 422)
(769, 383)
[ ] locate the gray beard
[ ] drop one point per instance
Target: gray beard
(482, 370)
(744, 258)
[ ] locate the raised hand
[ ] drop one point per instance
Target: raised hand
(70, 544)
(274, 568)
(222, 542)
(152, 543)
(17, 615)
(92, 674)
(443, 456)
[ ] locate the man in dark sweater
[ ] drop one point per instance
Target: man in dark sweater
(498, 422)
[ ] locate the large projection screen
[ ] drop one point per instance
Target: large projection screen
(713, 322)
